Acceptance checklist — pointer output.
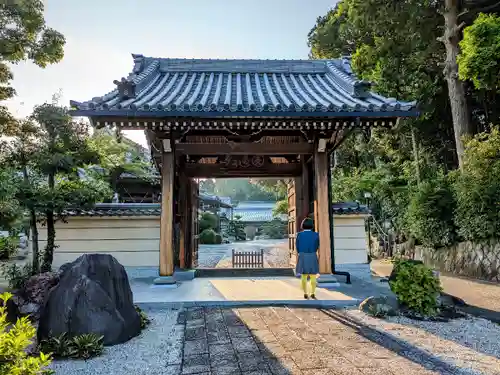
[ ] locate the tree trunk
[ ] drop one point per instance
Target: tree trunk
(415, 153)
(35, 261)
(48, 255)
(456, 92)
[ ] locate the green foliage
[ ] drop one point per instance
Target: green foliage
(281, 208)
(479, 59)
(416, 287)
(14, 341)
(81, 346)
(145, 321)
(275, 229)
(23, 36)
(208, 220)
(477, 188)
(241, 189)
(208, 237)
(8, 247)
(16, 275)
(237, 229)
(430, 213)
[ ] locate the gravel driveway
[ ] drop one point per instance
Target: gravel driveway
(273, 340)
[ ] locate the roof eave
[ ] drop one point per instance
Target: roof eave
(173, 114)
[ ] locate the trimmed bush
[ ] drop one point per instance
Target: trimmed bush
(275, 229)
(14, 343)
(208, 237)
(416, 287)
(208, 220)
(145, 321)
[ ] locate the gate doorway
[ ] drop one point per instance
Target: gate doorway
(243, 224)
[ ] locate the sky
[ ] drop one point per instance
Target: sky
(101, 35)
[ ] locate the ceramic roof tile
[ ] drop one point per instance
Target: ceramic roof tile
(253, 86)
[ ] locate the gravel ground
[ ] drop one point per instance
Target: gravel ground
(472, 344)
(158, 350)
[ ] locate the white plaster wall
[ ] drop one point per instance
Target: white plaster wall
(133, 241)
(350, 239)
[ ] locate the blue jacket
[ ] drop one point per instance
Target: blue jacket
(307, 241)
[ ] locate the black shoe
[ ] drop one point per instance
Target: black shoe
(313, 296)
(306, 296)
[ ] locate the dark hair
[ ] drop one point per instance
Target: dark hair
(307, 224)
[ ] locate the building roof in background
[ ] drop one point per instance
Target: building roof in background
(346, 208)
(247, 214)
(214, 200)
(182, 87)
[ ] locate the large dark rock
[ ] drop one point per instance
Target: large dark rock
(93, 296)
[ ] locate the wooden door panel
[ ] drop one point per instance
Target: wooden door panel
(292, 218)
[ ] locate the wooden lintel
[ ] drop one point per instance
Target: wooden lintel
(246, 148)
(219, 171)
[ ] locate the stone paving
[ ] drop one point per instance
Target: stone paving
(280, 340)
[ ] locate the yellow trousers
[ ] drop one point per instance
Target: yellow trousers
(303, 281)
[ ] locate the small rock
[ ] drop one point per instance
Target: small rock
(379, 306)
(13, 312)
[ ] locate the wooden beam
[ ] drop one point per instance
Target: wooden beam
(220, 171)
(322, 220)
(244, 148)
(167, 216)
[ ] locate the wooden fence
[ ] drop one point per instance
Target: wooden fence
(248, 259)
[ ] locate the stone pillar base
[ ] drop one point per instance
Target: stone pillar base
(327, 280)
(166, 281)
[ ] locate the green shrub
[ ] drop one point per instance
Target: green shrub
(237, 229)
(86, 346)
(81, 346)
(218, 239)
(8, 247)
(16, 275)
(208, 237)
(208, 220)
(477, 188)
(275, 229)
(145, 321)
(416, 287)
(14, 359)
(430, 213)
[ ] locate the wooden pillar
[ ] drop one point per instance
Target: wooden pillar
(194, 224)
(183, 211)
(321, 216)
(167, 215)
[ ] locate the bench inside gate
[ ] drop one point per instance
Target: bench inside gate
(248, 259)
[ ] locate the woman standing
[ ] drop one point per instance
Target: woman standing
(307, 244)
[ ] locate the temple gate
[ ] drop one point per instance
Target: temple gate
(242, 118)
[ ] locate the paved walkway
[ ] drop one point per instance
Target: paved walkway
(293, 341)
(476, 293)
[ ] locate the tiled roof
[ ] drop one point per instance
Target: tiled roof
(118, 209)
(255, 87)
(254, 216)
(346, 208)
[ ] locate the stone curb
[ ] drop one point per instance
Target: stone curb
(240, 304)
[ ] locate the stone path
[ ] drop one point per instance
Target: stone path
(474, 292)
(293, 341)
